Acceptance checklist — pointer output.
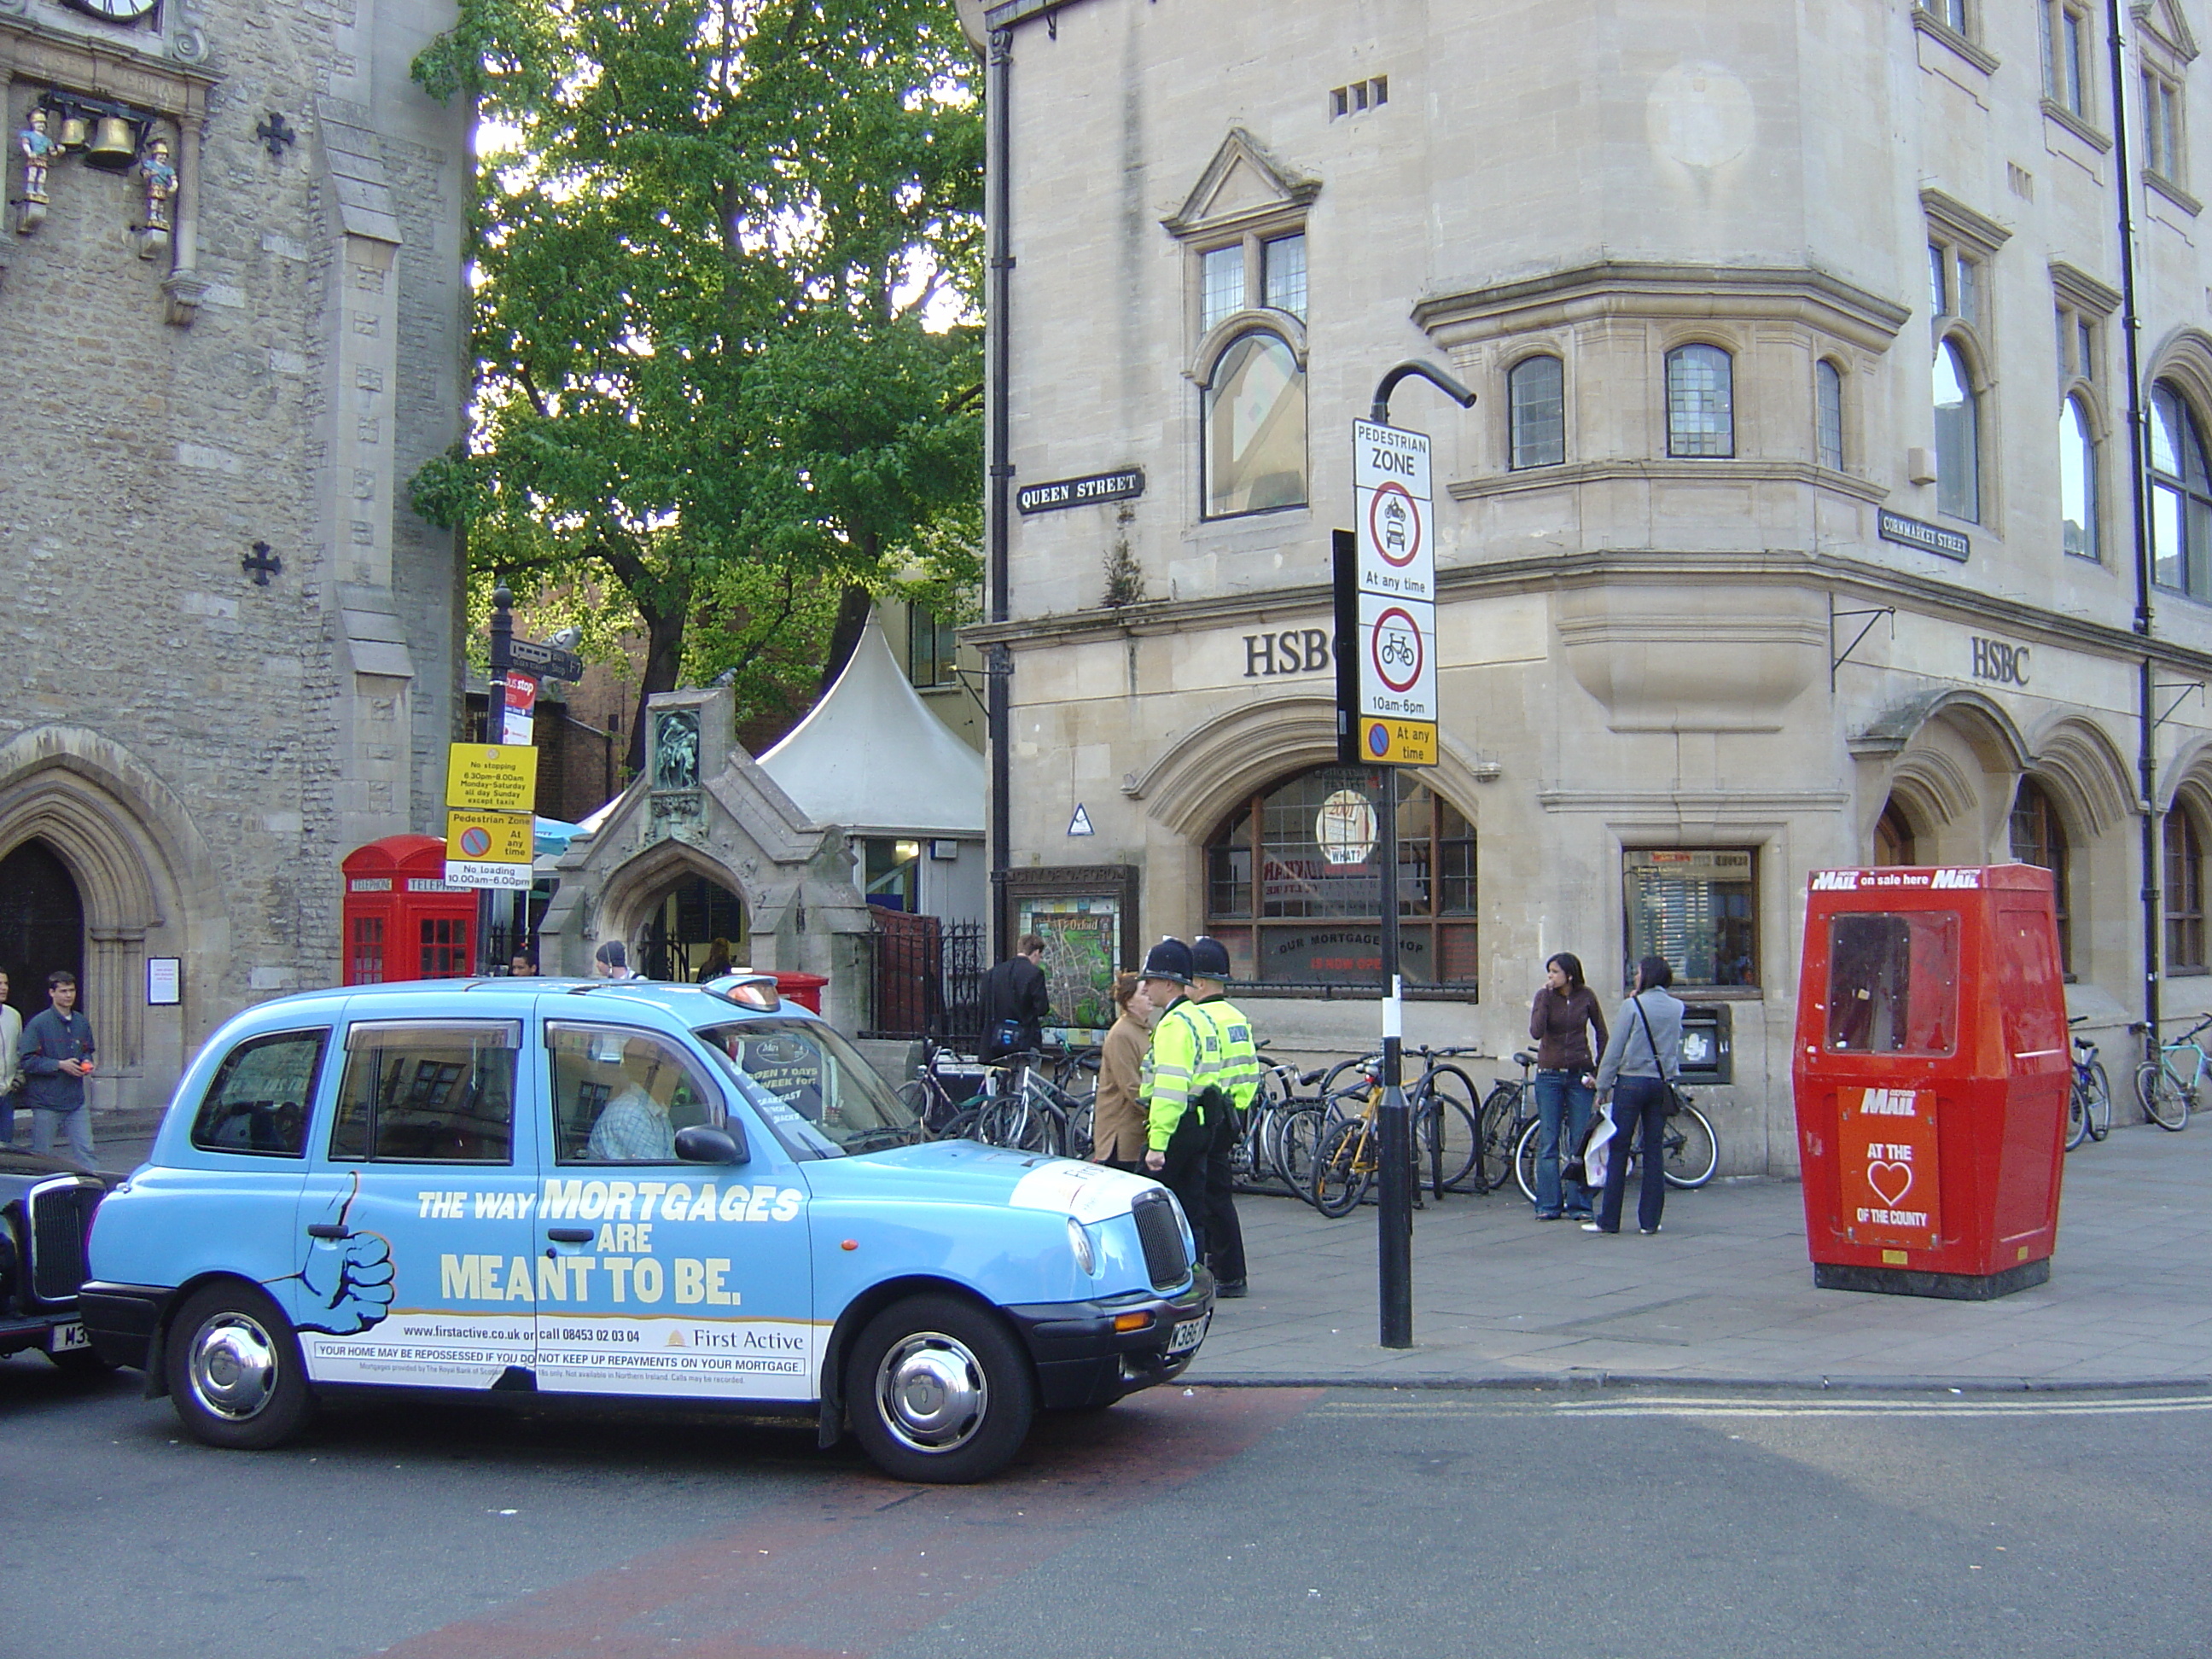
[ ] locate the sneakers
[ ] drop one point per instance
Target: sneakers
(1648, 1231)
(1592, 1227)
(1549, 1215)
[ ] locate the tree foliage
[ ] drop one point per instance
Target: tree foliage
(727, 254)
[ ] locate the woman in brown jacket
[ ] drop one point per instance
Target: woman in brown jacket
(1560, 1020)
(1117, 1121)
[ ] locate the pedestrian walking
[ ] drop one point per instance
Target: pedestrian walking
(1560, 1020)
(1016, 1002)
(56, 1053)
(11, 1065)
(1642, 1057)
(1237, 1075)
(1117, 1121)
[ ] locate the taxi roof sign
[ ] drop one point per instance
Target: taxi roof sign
(491, 777)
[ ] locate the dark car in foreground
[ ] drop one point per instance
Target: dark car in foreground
(46, 1207)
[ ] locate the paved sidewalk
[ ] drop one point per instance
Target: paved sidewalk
(1725, 1293)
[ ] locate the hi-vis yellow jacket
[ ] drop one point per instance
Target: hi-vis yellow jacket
(1197, 1048)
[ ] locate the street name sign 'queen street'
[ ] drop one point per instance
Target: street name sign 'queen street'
(1386, 604)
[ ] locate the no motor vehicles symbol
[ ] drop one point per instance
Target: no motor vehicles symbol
(1394, 525)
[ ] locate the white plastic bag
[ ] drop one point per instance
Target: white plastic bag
(1597, 1147)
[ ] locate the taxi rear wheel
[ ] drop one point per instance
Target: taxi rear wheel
(940, 1390)
(235, 1371)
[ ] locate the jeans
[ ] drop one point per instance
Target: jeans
(7, 1120)
(1638, 1102)
(1560, 1096)
(76, 1124)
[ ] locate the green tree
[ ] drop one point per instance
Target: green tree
(726, 256)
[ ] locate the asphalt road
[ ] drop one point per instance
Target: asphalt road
(1322, 1524)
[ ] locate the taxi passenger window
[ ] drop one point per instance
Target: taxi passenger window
(620, 1095)
(1893, 984)
(260, 1100)
(427, 1093)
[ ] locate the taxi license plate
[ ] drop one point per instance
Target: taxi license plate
(1189, 1334)
(63, 1338)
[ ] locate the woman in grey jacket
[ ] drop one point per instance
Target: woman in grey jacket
(1642, 1055)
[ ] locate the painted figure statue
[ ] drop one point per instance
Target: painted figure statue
(36, 145)
(160, 177)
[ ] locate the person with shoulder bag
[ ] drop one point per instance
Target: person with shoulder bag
(11, 1066)
(1643, 1059)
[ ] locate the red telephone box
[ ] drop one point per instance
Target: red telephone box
(401, 920)
(1931, 1071)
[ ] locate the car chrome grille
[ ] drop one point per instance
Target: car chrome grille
(1161, 1234)
(61, 1221)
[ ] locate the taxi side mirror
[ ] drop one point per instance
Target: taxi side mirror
(701, 1145)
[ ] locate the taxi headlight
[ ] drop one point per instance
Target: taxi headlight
(1079, 1242)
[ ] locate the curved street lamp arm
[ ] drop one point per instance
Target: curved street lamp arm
(1388, 384)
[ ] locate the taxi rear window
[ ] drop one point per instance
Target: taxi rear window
(259, 1102)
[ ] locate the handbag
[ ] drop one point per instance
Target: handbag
(1674, 1095)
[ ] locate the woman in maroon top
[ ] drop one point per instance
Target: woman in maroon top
(1564, 1014)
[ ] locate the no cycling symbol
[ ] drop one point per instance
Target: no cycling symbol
(1394, 647)
(1394, 525)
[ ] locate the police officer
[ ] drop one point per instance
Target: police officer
(1175, 1088)
(1239, 1077)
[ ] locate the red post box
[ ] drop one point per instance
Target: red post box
(805, 989)
(1930, 1072)
(401, 920)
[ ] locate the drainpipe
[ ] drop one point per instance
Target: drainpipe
(2154, 921)
(999, 469)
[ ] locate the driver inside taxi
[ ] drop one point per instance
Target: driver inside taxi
(634, 1126)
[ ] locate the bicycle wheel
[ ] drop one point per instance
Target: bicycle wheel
(2099, 1094)
(1297, 1134)
(1692, 1154)
(1003, 1121)
(2164, 1101)
(1342, 1167)
(1524, 1159)
(2077, 1113)
(1497, 1129)
(1456, 1154)
(1075, 1139)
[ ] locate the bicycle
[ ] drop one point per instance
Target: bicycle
(1439, 1102)
(2089, 1098)
(1690, 1151)
(2166, 1097)
(1507, 1112)
(944, 1105)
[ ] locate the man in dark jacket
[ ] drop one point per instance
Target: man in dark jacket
(1015, 1001)
(56, 1054)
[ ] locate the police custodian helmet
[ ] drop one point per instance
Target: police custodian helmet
(1168, 959)
(1209, 958)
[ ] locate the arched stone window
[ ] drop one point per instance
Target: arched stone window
(2077, 479)
(1536, 392)
(1256, 427)
(2180, 495)
(2185, 893)
(1828, 414)
(1294, 884)
(2038, 837)
(1958, 436)
(1894, 842)
(1700, 401)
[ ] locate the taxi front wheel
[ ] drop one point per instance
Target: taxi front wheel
(235, 1371)
(940, 1390)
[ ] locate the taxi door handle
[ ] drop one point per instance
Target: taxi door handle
(569, 1235)
(326, 1230)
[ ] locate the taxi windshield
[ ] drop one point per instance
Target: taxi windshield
(820, 1097)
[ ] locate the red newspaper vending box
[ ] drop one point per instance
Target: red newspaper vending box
(1930, 1072)
(401, 920)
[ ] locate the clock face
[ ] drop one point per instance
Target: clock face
(117, 11)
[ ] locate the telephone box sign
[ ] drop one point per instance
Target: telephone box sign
(1887, 1155)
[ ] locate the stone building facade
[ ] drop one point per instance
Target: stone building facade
(233, 650)
(1793, 526)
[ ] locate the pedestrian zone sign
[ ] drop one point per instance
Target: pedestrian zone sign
(489, 849)
(1386, 604)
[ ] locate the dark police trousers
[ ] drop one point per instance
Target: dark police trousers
(1224, 1249)
(1187, 1150)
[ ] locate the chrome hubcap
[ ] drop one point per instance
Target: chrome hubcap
(233, 1366)
(930, 1392)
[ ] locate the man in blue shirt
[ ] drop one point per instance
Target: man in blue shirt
(57, 1053)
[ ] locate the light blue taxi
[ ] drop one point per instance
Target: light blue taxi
(693, 1194)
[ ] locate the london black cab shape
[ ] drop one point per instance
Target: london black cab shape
(46, 1208)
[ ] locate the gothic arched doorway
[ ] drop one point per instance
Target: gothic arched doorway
(41, 923)
(683, 924)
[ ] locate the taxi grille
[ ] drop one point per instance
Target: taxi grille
(1161, 1234)
(61, 1220)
